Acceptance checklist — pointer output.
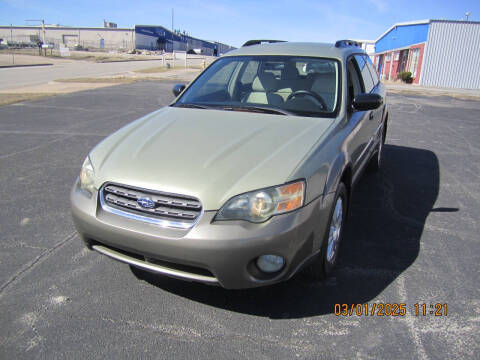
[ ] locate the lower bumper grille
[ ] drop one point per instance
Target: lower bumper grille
(164, 209)
(161, 267)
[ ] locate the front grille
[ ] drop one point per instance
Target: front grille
(173, 209)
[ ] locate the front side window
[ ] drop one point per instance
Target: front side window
(300, 86)
(366, 76)
(353, 80)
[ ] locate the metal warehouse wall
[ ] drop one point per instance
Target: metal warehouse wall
(452, 56)
(113, 38)
(156, 37)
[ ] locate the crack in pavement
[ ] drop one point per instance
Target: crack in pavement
(35, 262)
(410, 321)
(35, 147)
(20, 132)
(192, 335)
(45, 106)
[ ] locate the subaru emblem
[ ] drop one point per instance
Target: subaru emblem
(146, 202)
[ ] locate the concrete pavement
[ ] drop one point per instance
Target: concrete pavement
(15, 78)
(402, 88)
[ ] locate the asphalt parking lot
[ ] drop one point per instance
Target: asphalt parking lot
(413, 237)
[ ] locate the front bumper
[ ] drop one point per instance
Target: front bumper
(227, 250)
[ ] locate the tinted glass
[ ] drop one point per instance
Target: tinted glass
(367, 78)
(353, 81)
(373, 72)
(299, 85)
(249, 73)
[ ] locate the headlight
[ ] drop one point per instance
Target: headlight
(87, 176)
(260, 205)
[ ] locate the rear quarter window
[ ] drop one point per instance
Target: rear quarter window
(373, 72)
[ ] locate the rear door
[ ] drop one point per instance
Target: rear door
(371, 118)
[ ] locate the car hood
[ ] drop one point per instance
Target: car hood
(210, 154)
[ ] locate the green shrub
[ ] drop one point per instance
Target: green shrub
(406, 76)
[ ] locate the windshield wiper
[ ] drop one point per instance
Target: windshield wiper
(192, 106)
(260, 109)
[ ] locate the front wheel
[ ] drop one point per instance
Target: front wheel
(323, 266)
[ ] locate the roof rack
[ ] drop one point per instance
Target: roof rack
(258, 42)
(345, 43)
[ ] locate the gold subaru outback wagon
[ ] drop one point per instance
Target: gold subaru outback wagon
(245, 178)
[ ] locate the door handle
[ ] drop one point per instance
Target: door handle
(370, 116)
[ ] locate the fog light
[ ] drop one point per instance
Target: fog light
(270, 263)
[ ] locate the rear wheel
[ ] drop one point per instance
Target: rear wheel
(323, 266)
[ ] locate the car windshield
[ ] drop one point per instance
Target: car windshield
(287, 85)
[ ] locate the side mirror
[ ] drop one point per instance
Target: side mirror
(364, 102)
(177, 89)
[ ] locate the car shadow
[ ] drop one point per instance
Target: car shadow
(381, 240)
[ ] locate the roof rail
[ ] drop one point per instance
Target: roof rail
(345, 43)
(258, 42)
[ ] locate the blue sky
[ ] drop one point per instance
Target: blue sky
(234, 22)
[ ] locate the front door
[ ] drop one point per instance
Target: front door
(358, 120)
(402, 65)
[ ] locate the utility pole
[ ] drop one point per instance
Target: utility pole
(172, 39)
(43, 31)
(43, 28)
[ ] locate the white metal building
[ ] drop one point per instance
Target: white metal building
(452, 56)
(87, 37)
(150, 37)
(367, 45)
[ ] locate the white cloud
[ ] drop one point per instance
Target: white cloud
(381, 5)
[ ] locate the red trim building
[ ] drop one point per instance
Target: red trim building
(440, 53)
(401, 48)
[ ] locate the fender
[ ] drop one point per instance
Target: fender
(337, 169)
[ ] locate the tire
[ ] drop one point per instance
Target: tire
(376, 160)
(324, 264)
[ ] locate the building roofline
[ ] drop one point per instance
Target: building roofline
(425, 21)
(455, 21)
(415, 22)
(190, 36)
(64, 27)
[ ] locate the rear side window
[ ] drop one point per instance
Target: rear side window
(367, 78)
(373, 72)
(250, 72)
